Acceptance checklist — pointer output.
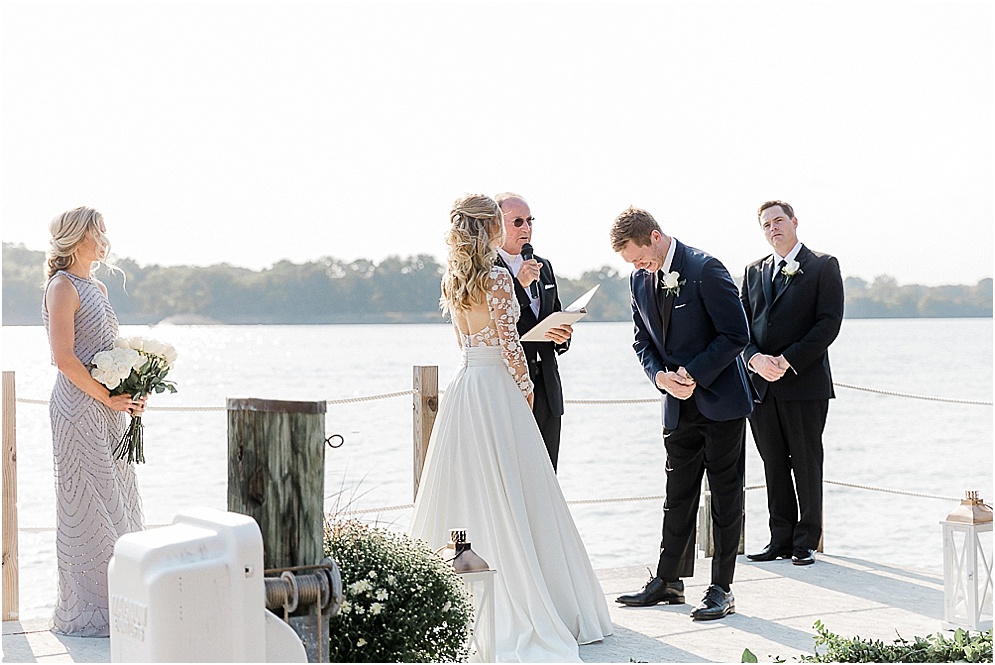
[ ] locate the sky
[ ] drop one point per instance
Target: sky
(248, 133)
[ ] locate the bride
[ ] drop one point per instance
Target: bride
(487, 469)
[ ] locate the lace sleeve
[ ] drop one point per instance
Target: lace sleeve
(504, 309)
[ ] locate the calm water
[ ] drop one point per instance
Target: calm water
(607, 451)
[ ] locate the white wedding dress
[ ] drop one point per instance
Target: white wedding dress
(487, 470)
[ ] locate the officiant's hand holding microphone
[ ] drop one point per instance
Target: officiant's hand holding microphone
(528, 277)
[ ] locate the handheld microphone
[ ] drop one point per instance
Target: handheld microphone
(527, 255)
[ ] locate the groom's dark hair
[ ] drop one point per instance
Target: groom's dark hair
(633, 224)
(786, 207)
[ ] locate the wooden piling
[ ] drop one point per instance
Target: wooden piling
(11, 580)
(706, 542)
(276, 475)
(426, 406)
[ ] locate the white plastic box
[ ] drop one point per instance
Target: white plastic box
(194, 591)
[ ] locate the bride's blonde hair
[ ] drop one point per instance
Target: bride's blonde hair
(476, 230)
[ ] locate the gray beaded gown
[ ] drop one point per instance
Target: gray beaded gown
(97, 497)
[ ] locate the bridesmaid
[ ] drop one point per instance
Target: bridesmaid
(96, 496)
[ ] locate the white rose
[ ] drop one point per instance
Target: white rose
(104, 360)
(137, 343)
(154, 347)
(121, 370)
(170, 354)
(121, 343)
(791, 267)
(670, 279)
(112, 381)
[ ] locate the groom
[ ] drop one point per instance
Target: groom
(690, 330)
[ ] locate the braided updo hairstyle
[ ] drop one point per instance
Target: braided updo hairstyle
(68, 230)
(475, 224)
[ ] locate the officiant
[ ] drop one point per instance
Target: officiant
(535, 288)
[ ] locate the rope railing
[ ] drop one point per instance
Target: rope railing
(647, 400)
(585, 502)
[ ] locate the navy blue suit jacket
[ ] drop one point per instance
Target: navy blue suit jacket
(706, 331)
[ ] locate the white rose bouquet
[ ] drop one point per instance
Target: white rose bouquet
(136, 366)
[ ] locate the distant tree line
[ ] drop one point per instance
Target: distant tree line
(397, 289)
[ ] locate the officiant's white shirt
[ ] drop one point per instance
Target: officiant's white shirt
(514, 264)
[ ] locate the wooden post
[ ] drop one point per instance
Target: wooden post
(706, 543)
(11, 582)
(276, 475)
(426, 406)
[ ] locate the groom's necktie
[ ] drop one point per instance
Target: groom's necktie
(661, 301)
(780, 279)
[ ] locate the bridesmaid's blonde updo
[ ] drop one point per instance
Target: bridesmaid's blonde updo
(69, 230)
(476, 230)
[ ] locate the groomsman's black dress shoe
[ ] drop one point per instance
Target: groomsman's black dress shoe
(655, 591)
(802, 556)
(715, 605)
(770, 553)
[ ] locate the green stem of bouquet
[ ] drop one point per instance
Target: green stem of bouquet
(132, 444)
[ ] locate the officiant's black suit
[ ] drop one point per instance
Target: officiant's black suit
(702, 329)
(547, 406)
(799, 320)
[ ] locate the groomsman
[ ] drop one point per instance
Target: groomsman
(535, 288)
(690, 330)
(794, 302)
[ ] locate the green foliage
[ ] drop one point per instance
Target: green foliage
(963, 646)
(395, 290)
(402, 602)
(748, 657)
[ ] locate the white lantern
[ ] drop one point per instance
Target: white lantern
(967, 565)
(478, 578)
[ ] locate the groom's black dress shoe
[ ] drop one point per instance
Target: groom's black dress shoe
(802, 556)
(770, 553)
(655, 591)
(715, 605)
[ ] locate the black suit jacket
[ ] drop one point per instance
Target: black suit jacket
(545, 352)
(800, 323)
(703, 330)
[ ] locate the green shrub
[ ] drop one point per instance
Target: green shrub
(402, 602)
(964, 646)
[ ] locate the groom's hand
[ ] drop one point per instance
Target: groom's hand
(680, 385)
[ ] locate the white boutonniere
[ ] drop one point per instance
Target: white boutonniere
(672, 283)
(790, 269)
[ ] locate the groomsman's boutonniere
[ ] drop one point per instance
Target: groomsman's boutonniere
(790, 269)
(672, 283)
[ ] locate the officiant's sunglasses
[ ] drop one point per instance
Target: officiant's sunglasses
(518, 221)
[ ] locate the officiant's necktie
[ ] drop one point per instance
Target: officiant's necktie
(780, 279)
